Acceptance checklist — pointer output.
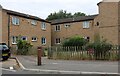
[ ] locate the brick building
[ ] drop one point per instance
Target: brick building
(65, 28)
(27, 27)
(105, 25)
(40, 32)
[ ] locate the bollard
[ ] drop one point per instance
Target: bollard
(39, 55)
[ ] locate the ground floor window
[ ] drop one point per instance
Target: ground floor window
(14, 39)
(43, 40)
(87, 38)
(34, 38)
(57, 40)
(24, 38)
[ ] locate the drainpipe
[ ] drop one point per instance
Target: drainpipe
(8, 30)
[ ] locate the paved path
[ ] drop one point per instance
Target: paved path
(8, 63)
(30, 62)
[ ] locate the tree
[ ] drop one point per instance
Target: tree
(79, 14)
(63, 14)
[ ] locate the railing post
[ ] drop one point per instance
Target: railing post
(39, 55)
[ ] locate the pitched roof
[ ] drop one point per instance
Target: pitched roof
(24, 15)
(75, 19)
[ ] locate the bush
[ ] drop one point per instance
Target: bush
(100, 49)
(23, 47)
(75, 41)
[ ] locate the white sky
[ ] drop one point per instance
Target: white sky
(42, 8)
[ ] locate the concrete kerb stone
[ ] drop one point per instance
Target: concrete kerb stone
(18, 63)
(60, 71)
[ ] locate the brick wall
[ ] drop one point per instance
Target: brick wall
(75, 29)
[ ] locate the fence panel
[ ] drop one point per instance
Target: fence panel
(81, 53)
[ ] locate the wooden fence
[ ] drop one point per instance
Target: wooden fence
(78, 53)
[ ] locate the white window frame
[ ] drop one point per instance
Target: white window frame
(14, 39)
(43, 42)
(86, 24)
(34, 39)
(33, 22)
(15, 21)
(57, 41)
(24, 37)
(43, 26)
(56, 28)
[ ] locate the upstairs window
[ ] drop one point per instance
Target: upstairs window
(67, 25)
(86, 24)
(14, 39)
(24, 38)
(15, 21)
(57, 41)
(57, 28)
(34, 38)
(43, 26)
(43, 40)
(34, 22)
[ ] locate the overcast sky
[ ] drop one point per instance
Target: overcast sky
(42, 8)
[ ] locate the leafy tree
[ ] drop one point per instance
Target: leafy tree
(75, 41)
(63, 14)
(79, 14)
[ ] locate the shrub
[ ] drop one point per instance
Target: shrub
(100, 48)
(23, 47)
(75, 41)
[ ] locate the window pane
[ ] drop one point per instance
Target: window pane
(34, 38)
(43, 25)
(33, 22)
(57, 40)
(14, 39)
(15, 20)
(24, 38)
(43, 40)
(57, 28)
(86, 24)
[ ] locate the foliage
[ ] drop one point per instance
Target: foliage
(23, 47)
(63, 14)
(75, 41)
(100, 48)
(79, 14)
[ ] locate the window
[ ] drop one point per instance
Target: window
(34, 22)
(14, 39)
(57, 28)
(43, 26)
(15, 21)
(87, 38)
(97, 24)
(57, 41)
(86, 24)
(67, 25)
(24, 38)
(43, 40)
(34, 38)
